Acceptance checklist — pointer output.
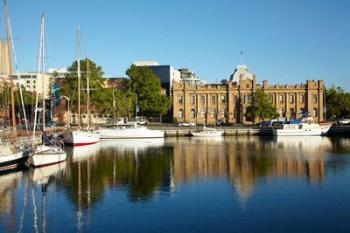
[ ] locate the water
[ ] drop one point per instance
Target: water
(186, 185)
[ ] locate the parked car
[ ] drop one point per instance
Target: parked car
(187, 124)
(345, 121)
(265, 124)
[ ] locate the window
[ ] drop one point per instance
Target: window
(315, 99)
(292, 113)
(180, 98)
(302, 98)
(28, 81)
(213, 99)
(193, 113)
(223, 99)
(203, 113)
(249, 98)
(213, 113)
(271, 98)
(236, 99)
(282, 113)
(203, 99)
(291, 99)
(281, 98)
(193, 99)
(247, 85)
(181, 113)
(315, 112)
(222, 112)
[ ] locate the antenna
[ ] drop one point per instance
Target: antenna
(241, 57)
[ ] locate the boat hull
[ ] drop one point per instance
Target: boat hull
(47, 155)
(12, 161)
(314, 131)
(130, 133)
(81, 138)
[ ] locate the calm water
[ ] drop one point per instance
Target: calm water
(186, 185)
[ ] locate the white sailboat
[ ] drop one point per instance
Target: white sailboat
(11, 156)
(87, 136)
(48, 153)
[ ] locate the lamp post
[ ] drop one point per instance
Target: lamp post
(68, 99)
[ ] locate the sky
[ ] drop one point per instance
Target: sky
(283, 41)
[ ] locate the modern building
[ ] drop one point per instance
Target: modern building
(166, 73)
(188, 76)
(228, 102)
(34, 82)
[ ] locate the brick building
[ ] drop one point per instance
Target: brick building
(229, 101)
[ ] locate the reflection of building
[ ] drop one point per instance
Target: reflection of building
(242, 163)
(229, 101)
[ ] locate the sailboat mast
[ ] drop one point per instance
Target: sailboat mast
(88, 91)
(78, 63)
(12, 86)
(42, 37)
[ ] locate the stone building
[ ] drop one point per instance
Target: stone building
(228, 102)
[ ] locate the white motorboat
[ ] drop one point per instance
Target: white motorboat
(206, 132)
(81, 137)
(306, 127)
(45, 155)
(129, 131)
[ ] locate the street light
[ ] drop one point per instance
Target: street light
(68, 99)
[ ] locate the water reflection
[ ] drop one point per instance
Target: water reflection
(146, 168)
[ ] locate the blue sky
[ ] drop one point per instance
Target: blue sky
(285, 41)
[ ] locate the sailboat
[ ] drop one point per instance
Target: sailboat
(81, 136)
(50, 152)
(11, 155)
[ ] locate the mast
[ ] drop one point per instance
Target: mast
(78, 63)
(12, 86)
(88, 92)
(42, 37)
(39, 71)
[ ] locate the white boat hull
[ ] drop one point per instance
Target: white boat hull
(11, 160)
(317, 130)
(207, 133)
(81, 138)
(47, 155)
(125, 133)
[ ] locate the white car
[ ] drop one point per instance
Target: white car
(187, 124)
(345, 121)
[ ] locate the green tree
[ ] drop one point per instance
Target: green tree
(260, 107)
(337, 102)
(70, 84)
(147, 90)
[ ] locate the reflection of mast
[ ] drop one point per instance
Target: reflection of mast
(35, 216)
(79, 212)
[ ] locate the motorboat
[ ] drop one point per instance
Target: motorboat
(206, 132)
(129, 131)
(306, 127)
(81, 137)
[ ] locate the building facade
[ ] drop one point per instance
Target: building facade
(34, 82)
(206, 104)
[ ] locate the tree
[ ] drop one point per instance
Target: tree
(147, 90)
(70, 84)
(260, 107)
(337, 102)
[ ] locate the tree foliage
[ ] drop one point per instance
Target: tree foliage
(147, 90)
(260, 107)
(337, 102)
